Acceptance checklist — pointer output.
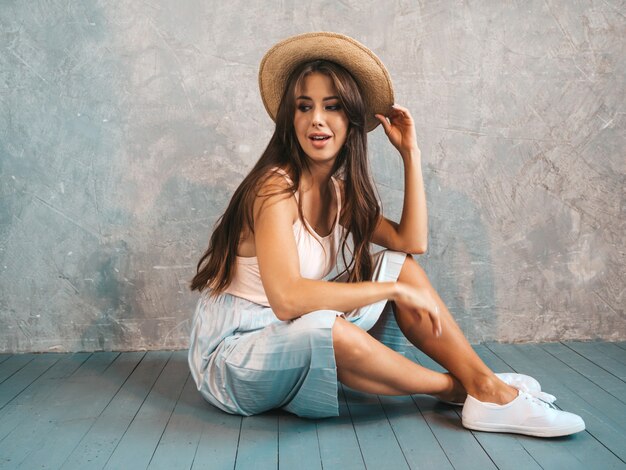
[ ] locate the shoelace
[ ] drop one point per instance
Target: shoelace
(536, 398)
(543, 396)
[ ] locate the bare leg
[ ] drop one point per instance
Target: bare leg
(451, 349)
(365, 364)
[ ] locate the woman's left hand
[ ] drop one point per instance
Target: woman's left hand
(400, 129)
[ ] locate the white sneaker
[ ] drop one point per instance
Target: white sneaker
(526, 383)
(524, 415)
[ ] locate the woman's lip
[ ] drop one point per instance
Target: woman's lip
(318, 144)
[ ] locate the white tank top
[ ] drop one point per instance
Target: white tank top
(318, 255)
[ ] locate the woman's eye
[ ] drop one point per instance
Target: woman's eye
(332, 107)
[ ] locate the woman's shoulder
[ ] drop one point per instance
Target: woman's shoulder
(276, 178)
(273, 187)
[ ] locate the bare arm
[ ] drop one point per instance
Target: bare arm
(289, 294)
(411, 234)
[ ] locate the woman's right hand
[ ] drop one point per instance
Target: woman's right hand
(419, 302)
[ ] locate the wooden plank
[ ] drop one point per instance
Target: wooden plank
(601, 356)
(96, 446)
(258, 442)
(612, 350)
(546, 452)
(219, 438)
(65, 367)
(426, 451)
(379, 446)
(338, 443)
(510, 450)
(621, 344)
(298, 446)
(4, 357)
(593, 372)
(178, 445)
(46, 439)
(418, 443)
(491, 360)
(560, 380)
(137, 445)
(13, 364)
(21, 379)
(461, 447)
(583, 387)
(97, 364)
(37, 394)
(445, 423)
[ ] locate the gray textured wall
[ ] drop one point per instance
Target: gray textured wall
(125, 126)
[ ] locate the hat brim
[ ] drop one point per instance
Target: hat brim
(367, 69)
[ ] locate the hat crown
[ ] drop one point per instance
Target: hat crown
(365, 67)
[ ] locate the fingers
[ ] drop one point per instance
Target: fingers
(433, 313)
(396, 111)
(436, 320)
(400, 108)
(400, 111)
(383, 121)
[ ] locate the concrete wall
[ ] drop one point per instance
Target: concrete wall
(125, 127)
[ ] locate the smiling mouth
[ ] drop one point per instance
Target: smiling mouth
(319, 142)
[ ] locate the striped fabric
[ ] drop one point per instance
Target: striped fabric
(245, 361)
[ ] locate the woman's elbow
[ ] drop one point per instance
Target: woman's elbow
(416, 249)
(282, 305)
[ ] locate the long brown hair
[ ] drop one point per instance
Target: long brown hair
(360, 209)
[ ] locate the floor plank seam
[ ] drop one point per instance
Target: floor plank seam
(416, 359)
(118, 355)
(104, 408)
(195, 452)
(80, 366)
(431, 430)
(356, 434)
(319, 448)
(278, 442)
(393, 431)
(138, 408)
(29, 384)
(238, 441)
(584, 376)
(169, 418)
(15, 372)
(595, 363)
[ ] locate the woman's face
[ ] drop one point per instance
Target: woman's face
(320, 122)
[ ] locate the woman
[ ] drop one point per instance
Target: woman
(268, 331)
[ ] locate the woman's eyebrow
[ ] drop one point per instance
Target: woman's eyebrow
(303, 97)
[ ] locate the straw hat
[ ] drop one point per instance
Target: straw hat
(366, 68)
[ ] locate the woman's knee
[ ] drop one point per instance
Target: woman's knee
(349, 341)
(412, 273)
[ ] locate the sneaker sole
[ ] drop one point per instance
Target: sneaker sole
(527, 430)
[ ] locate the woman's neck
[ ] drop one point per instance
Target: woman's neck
(317, 177)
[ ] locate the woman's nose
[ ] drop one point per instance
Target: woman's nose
(317, 117)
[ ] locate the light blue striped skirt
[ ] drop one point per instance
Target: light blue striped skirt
(246, 361)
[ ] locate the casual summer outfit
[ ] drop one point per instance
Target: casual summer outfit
(245, 360)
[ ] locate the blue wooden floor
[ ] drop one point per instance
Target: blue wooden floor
(141, 410)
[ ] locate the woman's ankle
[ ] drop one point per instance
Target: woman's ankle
(489, 388)
(455, 392)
